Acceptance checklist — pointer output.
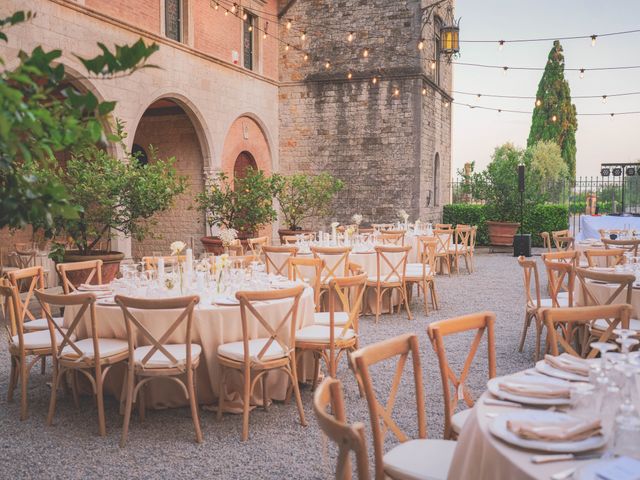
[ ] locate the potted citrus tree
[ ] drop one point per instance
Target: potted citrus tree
(302, 197)
(244, 205)
(112, 196)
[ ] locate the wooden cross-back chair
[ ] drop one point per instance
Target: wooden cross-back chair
(460, 247)
(255, 358)
(568, 328)
(329, 340)
(391, 266)
(564, 243)
(546, 241)
(93, 268)
(567, 256)
(24, 255)
(77, 353)
(151, 263)
(411, 458)
(611, 257)
(33, 278)
(443, 226)
(629, 246)
(444, 238)
(152, 356)
(336, 263)
(560, 276)
(472, 246)
(245, 261)
(392, 237)
(348, 437)
(277, 258)
(256, 244)
(26, 348)
(305, 237)
(454, 386)
(423, 273)
(307, 270)
(235, 248)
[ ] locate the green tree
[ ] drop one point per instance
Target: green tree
(554, 116)
(547, 162)
(41, 114)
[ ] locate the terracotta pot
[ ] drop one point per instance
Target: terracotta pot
(501, 233)
(110, 265)
(285, 232)
(214, 244)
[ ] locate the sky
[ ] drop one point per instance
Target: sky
(599, 139)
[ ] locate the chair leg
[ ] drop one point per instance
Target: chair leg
(426, 297)
(54, 393)
(24, 381)
(403, 292)
(128, 407)
(74, 387)
(316, 370)
(265, 397)
(43, 365)
(434, 295)
(378, 303)
(525, 327)
(142, 407)
(538, 339)
(246, 399)
(221, 393)
(193, 402)
(100, 402)
(13, 378)
(296, 391)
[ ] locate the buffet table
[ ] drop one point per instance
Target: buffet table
(591, 224)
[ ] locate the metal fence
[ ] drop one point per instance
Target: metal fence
(584, 195)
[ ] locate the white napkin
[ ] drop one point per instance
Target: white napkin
(623, 468)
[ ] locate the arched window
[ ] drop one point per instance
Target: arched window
(244, 161)
(436, 180)
(140, 153)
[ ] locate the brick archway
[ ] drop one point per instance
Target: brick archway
(246, 137)
(244, 161)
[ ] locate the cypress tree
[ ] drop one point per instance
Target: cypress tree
(554, 116)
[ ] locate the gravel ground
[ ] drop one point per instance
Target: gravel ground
(278, 447)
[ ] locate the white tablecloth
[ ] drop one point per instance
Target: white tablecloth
(589, 225)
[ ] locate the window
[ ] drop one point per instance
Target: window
(249, 41)
(437, 25)
(173, 19)
(436, 180)
(140, 155)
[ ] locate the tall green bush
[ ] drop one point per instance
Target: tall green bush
(468, 214)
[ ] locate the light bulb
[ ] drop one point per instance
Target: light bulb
(479, 95)
(306, 57)
(421, 44)
(604, 99)
(432, 64)
(286, 47)
(374, 80)
(245, 16)
(234, 8)
(500, 45)
(582, 73)
(446, 104)
(303, 36)
(216, 6)
(538, 102)
(264, 35)
(289, 24)
(349, 75)
(612, 116)
(396, 92)
(226, 13)
(554, 118)
(250, 28)
(593, 40)
(499, 110)
(424, 91)
(365, 53)
(327, 65)
(504, 71)
(350, 37)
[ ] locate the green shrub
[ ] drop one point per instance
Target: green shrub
(539, 218)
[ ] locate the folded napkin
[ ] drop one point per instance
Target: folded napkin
(571, 430)
(94, 288)
(568, 363)
(535, 390)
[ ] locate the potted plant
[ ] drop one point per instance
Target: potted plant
(112, 196)
(497, 186)
(302, 197)
(244, 205)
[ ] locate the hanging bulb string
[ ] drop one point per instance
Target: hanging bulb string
(529, 112)
(550, 39)
(582, 69)
(527, 97)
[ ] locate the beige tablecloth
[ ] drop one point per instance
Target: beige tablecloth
(603, 291)
(481, 456)
(212, 325)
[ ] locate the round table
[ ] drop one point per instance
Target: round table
(481, 456)
(581, 246)
(212, 325)
(602, 292)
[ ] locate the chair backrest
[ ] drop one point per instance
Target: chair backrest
(564, 243)
(572, 323)
(560, 276)
(305, 237)
(355, 268)
(93, 267)
(546, 241)
(336, 261)
(391, 263)
(380, 414)
(284, 331)
(245, 260)
(560, 233)
(10, 309)
(33, 277)
(427, 254)
(235, 248)
(472, 240)
(277, 258)
(443, 226)
(151, 263)
(444, 238)
(349, 291)
(530, 269)
(630, 246)
(256, 244)
(24, 255)
(182, 307)
(624, 282)
(70, 334)
(453, 386)
(566, 256)
(462, 237)
(347, 437)
(308, 269)
(382, 226)
(392, 238)
(611, 257)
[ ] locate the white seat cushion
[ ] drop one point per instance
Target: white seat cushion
(339, 318)
(38, 339)
(106, 346)
(421, 459)
(320, 333)
(415, 270)
(458, 420)
(634, 324)
(547, 302)
(160, 360)
(235, 350)
(41, 323)
(563, 295)
(384, 279)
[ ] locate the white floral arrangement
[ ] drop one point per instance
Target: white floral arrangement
(222, 261)
(357, 219)
(228, 236)
(203, 266)
(403, 215)
(335, 224)
(177, 247)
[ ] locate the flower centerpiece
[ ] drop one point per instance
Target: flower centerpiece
(348, 234)
(405, 218)
(334, 231)
(357, 219)
(228, 236)
(219, 269)
(177, 248)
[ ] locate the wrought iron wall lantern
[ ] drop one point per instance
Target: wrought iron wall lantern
(449, 35)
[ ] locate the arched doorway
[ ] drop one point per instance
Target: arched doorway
(170, 130)
(436, 180)
(244, 161)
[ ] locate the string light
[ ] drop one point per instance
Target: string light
(582, 73)
(264, 35)
(424, 91)
(289, 24)
(365, 53)
(374, 80)
(593, 40)
(286, 47)
(446, 104)
(303, 36)
(216, 6)
(478, 95)
(421, 44)
(234, 8)
(575, 69)
(327, 65)
(250, 28)
(504, 71)
(349, 75)
(500, 45)
(554, 118)
(306, 57)
(529, 112)
(245, 16)
(432, 64)
(527, 97)
(549, 39)
(538, 102)
(226, 13)
(604, 99)
(396, 91)
(350, 37)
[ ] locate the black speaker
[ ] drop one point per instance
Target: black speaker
(522, 245)
(521, 178)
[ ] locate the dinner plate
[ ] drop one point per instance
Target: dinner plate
(494, 388)
(544, 367)
(226, 301)
(498, 428)
(107, 302)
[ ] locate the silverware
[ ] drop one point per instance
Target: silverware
(563, 457)
(564, 474)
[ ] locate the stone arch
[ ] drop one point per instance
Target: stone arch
(436, 180)
(247, 134)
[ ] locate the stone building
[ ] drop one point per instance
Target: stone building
(231, 93)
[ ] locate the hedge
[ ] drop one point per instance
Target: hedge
(542, 218)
